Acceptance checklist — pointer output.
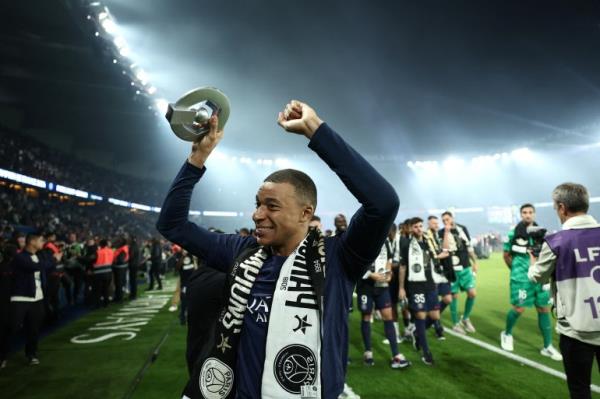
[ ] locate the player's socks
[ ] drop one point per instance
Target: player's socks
(511, 320)
(421, 336)
(468, 308)
(428, 322)
(365, 327)
(443, 305)
(546, 328)
(454, 311)
(390, 334)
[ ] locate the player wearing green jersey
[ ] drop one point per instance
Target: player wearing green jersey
(523, 292)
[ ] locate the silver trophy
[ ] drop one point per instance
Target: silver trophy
(189, 116)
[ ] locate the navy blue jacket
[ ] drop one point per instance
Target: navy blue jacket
(23, 268)
(347, 255)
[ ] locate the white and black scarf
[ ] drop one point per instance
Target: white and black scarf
(417, 261)
(292, 367)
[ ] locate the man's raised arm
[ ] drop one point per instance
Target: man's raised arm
(217, 249)
(370, 225)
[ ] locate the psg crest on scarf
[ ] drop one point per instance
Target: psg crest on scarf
(296, 369)
(216, 379)
(189, 116)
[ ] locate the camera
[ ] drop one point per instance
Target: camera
(537, 235)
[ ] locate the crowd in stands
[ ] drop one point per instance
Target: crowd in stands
(25, 155)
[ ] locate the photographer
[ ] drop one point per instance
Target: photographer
(522, 240)
(568, 258)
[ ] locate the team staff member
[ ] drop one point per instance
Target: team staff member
(135, 258)
(570, 259)
(73, 267)
(155, 262)
(27, 297)
(102, 272)
(54, 276)
(119, 268)
(7, 253)
(290, 296)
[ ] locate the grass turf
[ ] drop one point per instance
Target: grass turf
(113, 368)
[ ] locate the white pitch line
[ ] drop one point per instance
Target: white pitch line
(512, 356)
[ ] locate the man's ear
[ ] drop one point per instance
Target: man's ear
(307, 213)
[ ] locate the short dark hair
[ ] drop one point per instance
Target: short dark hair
(31, 236)
(430, 217)
(573, 196)
(103, 242)
(448, 213)
(303, 185)
(527, 205)
(415, 220)
(315, 218)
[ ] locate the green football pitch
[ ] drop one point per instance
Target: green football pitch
(137, 351)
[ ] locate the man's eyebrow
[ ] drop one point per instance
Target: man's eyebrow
(270, 200)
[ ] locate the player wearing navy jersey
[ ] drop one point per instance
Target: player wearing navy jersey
(373, 290)
(417, 283)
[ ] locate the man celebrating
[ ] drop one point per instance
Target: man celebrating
(373, 289)
(457, 241)
(523, 292)
(418, 276)
(282, 332)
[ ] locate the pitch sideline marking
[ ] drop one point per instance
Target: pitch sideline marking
(521, 359)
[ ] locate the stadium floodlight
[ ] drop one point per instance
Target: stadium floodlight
(142, 76)
(151, 90)
(109, 26)
(162, 105)
(453, 164)
(195, 213)
(469, 210)
(124, 51)
(522, 154)
(120, 42)
(219, 214)
(216, 154)
(267, 162)
(282, 162)
(103, 15)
